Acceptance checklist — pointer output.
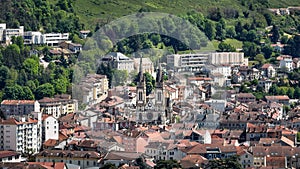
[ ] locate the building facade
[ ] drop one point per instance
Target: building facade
(187, 62)
(21, 134)
(19, 107)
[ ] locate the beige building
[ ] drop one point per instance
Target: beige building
(84, 159)
(232, 58)
(93, 89)
(147, 65)
(57, 106)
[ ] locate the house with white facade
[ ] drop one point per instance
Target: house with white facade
(286, 63)
(11, 157)
(50, 128)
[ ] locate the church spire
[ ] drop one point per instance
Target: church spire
(159, 74)
(141, 73)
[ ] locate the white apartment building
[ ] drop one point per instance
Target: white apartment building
(92, 89)
(19, 107)
(286, 63)
(58, 106)
(53, 39)
(231, 58)
(119, 61)
(2, 28)
(225, 70)
(8, 33)
(33, 38)
(187, 62)
(21, 134)
(50, 128)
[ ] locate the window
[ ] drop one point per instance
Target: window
(87, 163)
(78, 162)
(140, 95)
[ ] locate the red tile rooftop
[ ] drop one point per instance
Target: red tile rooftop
(17, 102)
(282, 97)
(5, 153)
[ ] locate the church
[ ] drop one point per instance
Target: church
(155, 108)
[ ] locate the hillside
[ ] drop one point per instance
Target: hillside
(92, 11)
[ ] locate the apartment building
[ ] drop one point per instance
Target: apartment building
(58, 106)
(232, 58)
(92, 89)
(2, 28)
(9, 33)
(84, 159)
(187, 62)
(31, 37)
(19, 107)
(21, 134)
(53, 39)
(50, 128)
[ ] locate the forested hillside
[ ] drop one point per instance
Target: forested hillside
(229, 24)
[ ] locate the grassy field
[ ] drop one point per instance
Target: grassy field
(92, 11)
(237, 44)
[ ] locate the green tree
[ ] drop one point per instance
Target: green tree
(220, 32)
(4, 75)
(44, 90)
(260, 58)
(231, 162)
(275, 34)
(250, 49)
(291, 92)
(28, 95)
(224, 47)
(31, 67)
(297, 93)
(210, 30)
(267, 50)
(14, 92)
(230, 32)
(167, 164)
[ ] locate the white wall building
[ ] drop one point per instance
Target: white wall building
(50, 128)
(53, 39)
(21, 134)
(33, 38)
(232, 58)
(286, 63)
(9, 33)
(11, 157)
(187, 62)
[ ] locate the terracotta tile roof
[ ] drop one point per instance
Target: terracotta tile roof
(17, 102)
(283, 97)
(65, 153)
(248, 95)
(190, 161)
(5, 153)
(278, 162)
(266, 66)
(50, 143)
(118, 155)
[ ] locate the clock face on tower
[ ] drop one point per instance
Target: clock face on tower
(149, 116)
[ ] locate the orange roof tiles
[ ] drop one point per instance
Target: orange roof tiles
(17, 102)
